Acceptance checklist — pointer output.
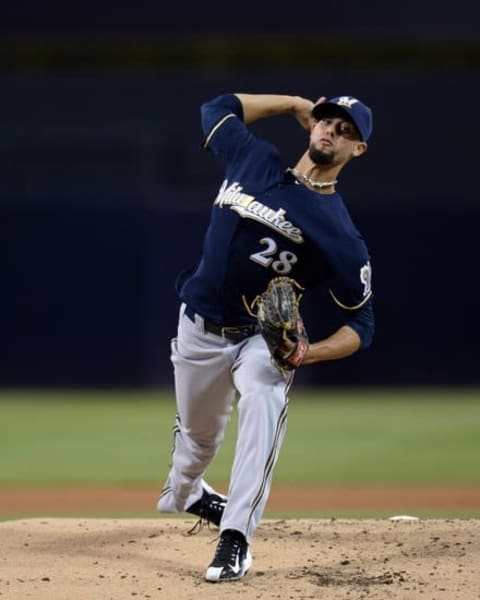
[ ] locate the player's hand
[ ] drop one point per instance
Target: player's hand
(303, 110)
(321, 100)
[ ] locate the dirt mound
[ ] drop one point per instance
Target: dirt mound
(82, 559)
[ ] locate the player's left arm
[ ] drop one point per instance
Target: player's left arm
(344, 342)
(355, 335)
(351, 291)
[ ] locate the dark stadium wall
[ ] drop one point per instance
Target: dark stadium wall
(105, 191)
(105, 194)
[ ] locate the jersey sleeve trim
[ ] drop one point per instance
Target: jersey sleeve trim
(345, 307)
(216, 127)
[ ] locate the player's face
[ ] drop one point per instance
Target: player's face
(334, 141)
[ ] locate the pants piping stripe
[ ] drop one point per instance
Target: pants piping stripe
(269, 464)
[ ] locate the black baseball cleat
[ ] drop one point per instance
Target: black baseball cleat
(232, 558)
(210, 507)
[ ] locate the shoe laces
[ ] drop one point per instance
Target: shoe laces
(211, 508)
(229, 547)
(198, 526)
(214, 503)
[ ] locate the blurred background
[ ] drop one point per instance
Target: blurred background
(105, 191)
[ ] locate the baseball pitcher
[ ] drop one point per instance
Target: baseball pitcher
(276, 231)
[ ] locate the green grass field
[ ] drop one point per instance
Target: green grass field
(333, 437)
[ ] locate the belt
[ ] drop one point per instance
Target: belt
(233, 334)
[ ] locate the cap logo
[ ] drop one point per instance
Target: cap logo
(346, 101)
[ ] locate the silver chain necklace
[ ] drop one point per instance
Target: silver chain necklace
(315, 184)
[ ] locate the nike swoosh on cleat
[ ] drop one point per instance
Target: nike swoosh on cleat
(236, 567)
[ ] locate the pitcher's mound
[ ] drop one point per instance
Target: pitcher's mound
(85, 559)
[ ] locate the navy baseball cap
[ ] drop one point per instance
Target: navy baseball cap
(357, 112)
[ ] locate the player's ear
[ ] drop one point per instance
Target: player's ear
(360, 149)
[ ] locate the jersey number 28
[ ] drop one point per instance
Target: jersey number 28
(281, 261)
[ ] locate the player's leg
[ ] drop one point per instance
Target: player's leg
(262, 413)
(262, 417)
(205, 393)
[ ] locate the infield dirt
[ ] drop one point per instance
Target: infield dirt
(94, 501)
(85, 559)
(50, 558)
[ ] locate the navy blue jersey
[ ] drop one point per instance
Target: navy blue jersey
(265, 224)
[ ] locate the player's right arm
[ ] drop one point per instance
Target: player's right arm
(246, 158)
(252, 107)
(261, 106)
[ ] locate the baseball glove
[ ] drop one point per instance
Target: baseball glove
(281, 323)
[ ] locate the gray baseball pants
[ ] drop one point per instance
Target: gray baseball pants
(211, 372)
